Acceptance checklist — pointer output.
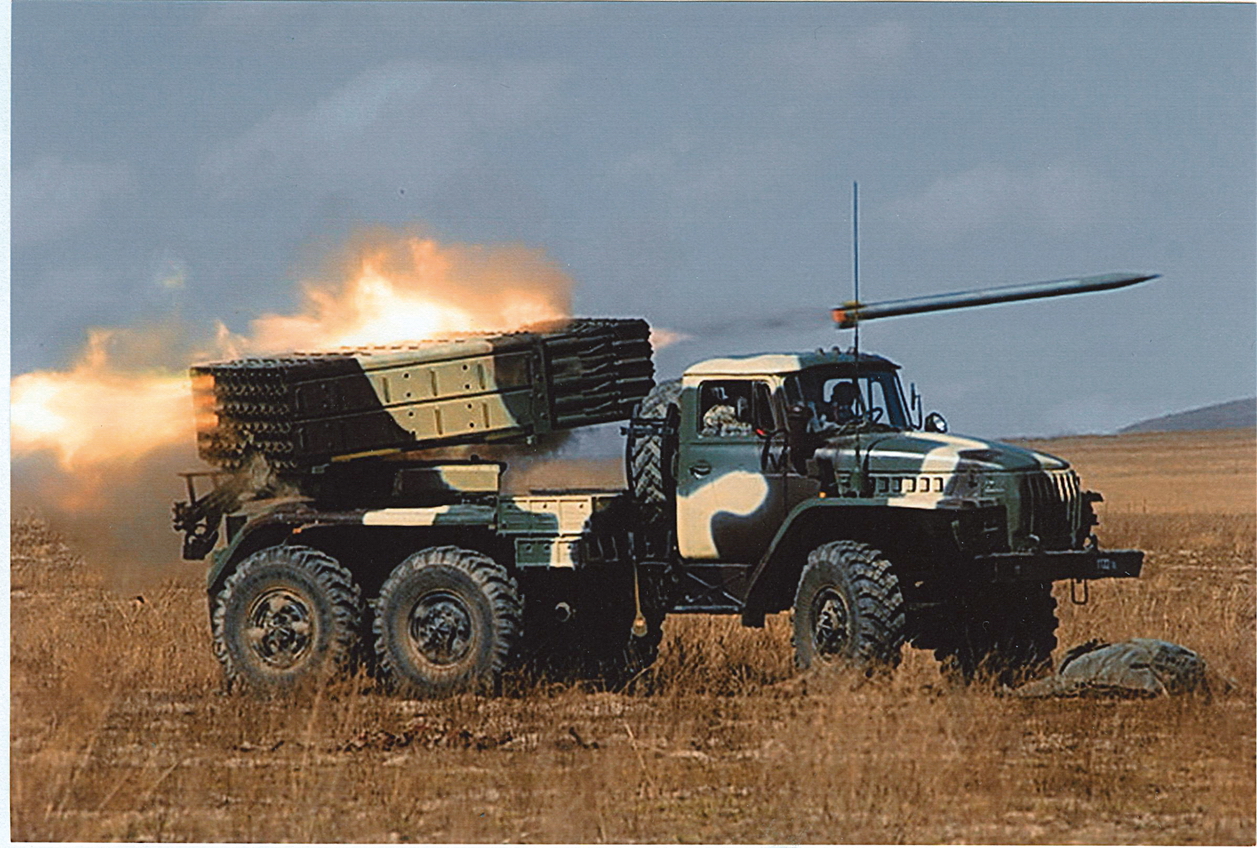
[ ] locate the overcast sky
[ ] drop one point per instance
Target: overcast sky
(690, 163)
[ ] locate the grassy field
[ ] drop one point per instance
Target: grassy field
(119, 730)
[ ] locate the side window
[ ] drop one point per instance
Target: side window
(733, 408)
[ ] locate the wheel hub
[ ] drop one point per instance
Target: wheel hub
(441, 629)
(280, 628)
(831, 629)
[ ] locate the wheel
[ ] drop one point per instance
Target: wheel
(447, 621)
(648, 467)
(1004, 635)
(287, 616)
(848, 609)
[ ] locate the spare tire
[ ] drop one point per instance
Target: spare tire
(649, 471)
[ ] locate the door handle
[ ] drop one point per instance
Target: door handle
(701, 468)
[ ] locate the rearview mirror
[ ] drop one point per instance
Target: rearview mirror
(797, 418)
(935, 423)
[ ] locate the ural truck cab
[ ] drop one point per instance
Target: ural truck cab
(741, 474)
(809, 481)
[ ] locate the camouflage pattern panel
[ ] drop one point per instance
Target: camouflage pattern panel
(546, 514)
(390, 481)
(306, 408)
(551, 530)
(730, 490)
(754, 365)
(1040, 493)
(448, 481)
(450, 515)
(782, 364)
(289, 518)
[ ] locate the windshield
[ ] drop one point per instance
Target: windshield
(839, 400)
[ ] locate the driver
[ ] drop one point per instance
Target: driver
(842, 402)
(839, 411)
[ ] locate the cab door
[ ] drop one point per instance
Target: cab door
(729, 504)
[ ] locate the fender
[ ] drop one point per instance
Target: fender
(275, 525)
(942, 527)
(269, 528)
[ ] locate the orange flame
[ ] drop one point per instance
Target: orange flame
(414, 289)
(395, 289)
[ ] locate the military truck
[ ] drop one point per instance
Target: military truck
(365, 519)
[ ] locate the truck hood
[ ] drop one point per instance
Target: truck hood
(922, 452)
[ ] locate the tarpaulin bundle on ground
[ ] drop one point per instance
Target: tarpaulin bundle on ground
(1134, 668)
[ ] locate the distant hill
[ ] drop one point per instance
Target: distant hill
(1221, 416)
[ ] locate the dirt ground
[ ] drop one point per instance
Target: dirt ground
(120, 731)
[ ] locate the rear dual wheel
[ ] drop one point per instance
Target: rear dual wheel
(447, 621)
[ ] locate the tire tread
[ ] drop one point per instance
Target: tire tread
(327, 573)
(491, 578)
(647, 461)
(879, 606)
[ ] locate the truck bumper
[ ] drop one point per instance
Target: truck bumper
(1046, 566)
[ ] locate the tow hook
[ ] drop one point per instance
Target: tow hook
(1079, 599)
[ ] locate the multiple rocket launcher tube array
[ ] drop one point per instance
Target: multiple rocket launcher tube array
(301, 410)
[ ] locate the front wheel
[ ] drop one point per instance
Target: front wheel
(447, 621)
(848, 609)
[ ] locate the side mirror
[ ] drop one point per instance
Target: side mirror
(935, 423)
(797, 417)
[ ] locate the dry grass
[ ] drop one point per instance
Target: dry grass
(119, 731)
(1208, 473)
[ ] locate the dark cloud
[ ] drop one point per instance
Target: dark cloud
(409, 123)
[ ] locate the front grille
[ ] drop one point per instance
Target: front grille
(1054, 503)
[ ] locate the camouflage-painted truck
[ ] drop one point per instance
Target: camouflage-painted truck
(359, 527)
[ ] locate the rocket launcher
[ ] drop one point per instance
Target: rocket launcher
(304, 409)
(853, 313)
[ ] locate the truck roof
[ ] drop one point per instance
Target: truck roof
(783, 363)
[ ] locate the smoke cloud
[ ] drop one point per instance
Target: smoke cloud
(97, 447)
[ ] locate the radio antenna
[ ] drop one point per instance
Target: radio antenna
(858, 477)
(855, 282)
(855, 258)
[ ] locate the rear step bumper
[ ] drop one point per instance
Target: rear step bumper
(1045, 566)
